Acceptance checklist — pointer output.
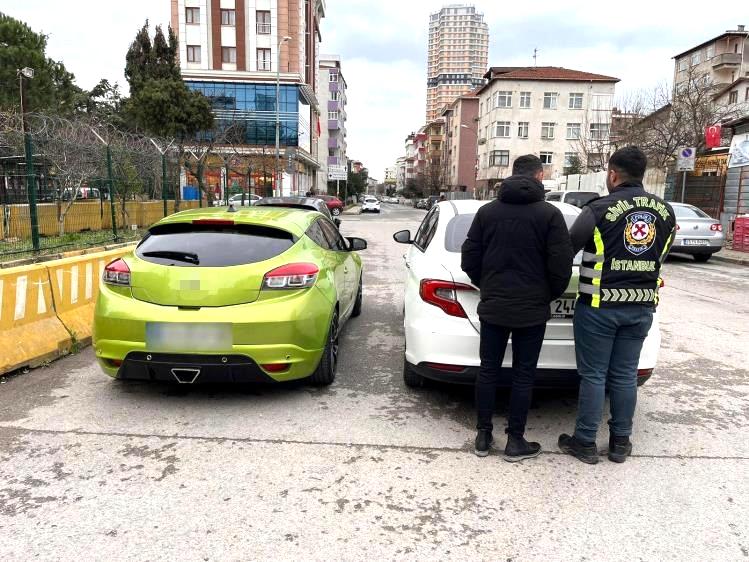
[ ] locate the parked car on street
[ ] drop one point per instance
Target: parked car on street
(421, 204)
(255, 295)
(334, 204)
(431, 200)
(577, 198)
(238, 200)
(441, 319)
(304, 203)
(697, 233)
(370, 205)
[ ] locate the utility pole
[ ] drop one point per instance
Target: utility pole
(279, 179)
(163, 172)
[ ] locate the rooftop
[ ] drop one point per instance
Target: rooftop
(740, 32)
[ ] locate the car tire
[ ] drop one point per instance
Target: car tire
(411, 378)
(702, 258)
(335, 212)
(324, 375)
(358, 303)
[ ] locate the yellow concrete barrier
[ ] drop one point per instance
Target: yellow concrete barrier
(75, 286)
(30, 332)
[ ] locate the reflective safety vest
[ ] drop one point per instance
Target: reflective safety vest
(622, 261)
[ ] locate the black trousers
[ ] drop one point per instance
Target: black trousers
(526, 347)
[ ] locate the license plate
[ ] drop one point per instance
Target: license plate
(695, 242)
(187, 337)
(563, 308)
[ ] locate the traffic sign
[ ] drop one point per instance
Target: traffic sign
(337, 173)
(685, 159)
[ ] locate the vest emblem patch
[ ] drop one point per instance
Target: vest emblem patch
(639, 232)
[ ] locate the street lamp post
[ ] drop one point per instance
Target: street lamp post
(27, 73)
(278, 114)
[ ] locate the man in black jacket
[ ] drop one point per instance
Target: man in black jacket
(518, 253)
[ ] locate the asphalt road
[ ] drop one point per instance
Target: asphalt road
(95, 469)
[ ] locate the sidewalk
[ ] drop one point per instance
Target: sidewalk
(732, 256)
(352, 210)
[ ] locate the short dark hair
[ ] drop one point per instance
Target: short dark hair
(528, 165)
(629, 162)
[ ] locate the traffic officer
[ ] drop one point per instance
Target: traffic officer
(625, 237)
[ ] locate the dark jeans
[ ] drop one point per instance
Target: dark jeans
(526, 347)
(608, 342)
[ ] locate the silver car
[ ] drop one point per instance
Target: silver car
(697, 233)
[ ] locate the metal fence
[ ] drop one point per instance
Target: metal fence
(68, 184)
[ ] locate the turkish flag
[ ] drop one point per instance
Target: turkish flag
(712, 136)
(318, 126)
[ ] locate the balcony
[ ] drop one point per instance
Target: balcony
(334, 124)
(334, 105)
(726, 60)
(333, 142)
(332, 160)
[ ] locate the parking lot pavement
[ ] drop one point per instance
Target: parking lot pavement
(369, 468)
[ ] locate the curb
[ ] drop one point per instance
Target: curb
(731, 259)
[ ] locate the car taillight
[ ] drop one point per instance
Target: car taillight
(443, 294)
(644, 372)
(716, 227)
(291, 276)
(117, 273)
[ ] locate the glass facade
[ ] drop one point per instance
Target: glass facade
(253, 107)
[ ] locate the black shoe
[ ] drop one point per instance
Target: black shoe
(519, 449)
(484, 442)
(619, 448)
(581, 451)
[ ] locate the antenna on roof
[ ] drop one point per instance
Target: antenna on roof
(535, 57)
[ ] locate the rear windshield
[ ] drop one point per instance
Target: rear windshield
(457, 229)
(580, 198)
(689, 212)
(195, 245)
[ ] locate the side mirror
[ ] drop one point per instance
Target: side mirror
(337, 222)
(403, 237)
(356, 244)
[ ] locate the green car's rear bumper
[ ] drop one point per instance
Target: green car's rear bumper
(288, 328)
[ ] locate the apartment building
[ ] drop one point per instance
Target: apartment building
(231, 51)
(391, 175)
(400, 173)
(332, 97)
(460, 149)
(458, 55)
(555, 113)
(722, 60)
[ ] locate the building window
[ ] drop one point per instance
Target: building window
(525, 99)
(502, 129)
(523, 129)
(481, 109)
(229, 54)
(503, 99)
(733, 97)
(499, 158)
(547, 130)
(333, 77)
(332, 116)
(192, 15)
(573, 131)
(333, 96)
(599, 131)
(568, 156)
(263, 59)
(228, 17)
(263, 22)
(550, 100)
(576, 101)
(193, 53)
(547, 158)
(695, 58)
(683, 65)
(746, 95)
(710, 52)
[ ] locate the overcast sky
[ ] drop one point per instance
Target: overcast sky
(383, 47)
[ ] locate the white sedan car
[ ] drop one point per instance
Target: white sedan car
(239, 200)
(370, 205)
(441, 319)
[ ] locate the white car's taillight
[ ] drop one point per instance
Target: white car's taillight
(291, 276)
(716, 227)
(117, 273)
(443, 294)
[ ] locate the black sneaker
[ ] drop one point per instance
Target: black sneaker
(484, 442)
(519, 449)
(588, 453)
(619, 448)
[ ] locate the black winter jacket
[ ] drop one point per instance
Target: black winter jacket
(518, 252)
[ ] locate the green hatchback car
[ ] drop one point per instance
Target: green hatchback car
(217, 295)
